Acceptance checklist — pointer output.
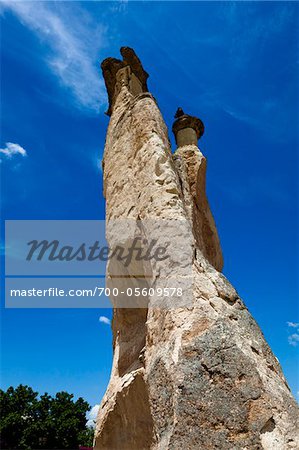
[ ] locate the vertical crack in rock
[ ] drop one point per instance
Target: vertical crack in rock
(195, 373)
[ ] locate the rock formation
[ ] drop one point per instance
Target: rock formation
(192, 372)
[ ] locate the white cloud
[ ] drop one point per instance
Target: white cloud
(92, 415)
(73, 43)
(12, 149)
(293, 339)
(104, 319)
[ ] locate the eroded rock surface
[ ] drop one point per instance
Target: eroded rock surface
(191, 375)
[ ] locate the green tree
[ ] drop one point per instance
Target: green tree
(86, 437)
(46, 423)
(18, 407)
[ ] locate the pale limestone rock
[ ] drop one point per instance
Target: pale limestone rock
(191, 168)
(196, 373)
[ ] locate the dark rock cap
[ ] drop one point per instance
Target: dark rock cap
(179, 113)
(186, 121)
(110, 67)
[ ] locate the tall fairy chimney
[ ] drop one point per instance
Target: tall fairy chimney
(191, 168)
(192, 372)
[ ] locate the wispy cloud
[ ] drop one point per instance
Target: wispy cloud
(12, 149)
(256, 189)
(73, 41)
(104, 319)
(293, 339)
(251, 30)
(242, 66)
(92, 415)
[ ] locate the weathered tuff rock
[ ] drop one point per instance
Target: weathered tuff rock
(199, 376)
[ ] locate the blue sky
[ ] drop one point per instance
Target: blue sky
(232, 64)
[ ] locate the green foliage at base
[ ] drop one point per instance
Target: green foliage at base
(30, 422)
